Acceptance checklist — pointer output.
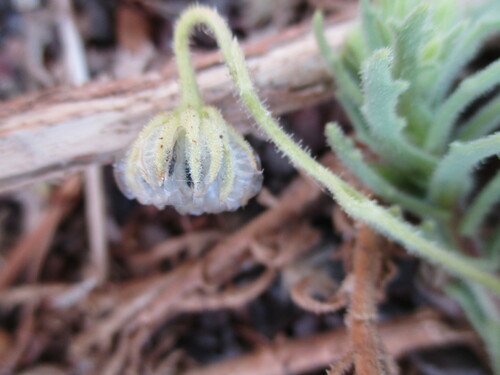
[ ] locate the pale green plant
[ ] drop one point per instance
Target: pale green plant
(378, 123)
(397, 77)
(354, 202)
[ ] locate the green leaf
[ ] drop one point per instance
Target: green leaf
(482, 122)
(352, 158)
(410, 36)
(462, 293)
(479, 306)
(493, 249)
(353, 54)
(452, 176)
(372, 27)
(445, 14)
(381, 100)
(344, 81)
(396, 9)
(439, 46)
(462, 53)
(481, 206)
(469, 90)
(357, 121)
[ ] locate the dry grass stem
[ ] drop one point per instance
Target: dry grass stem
(422, 330)
(33, 247)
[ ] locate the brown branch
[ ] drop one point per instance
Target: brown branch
(232, 298)
(24, 338)
(276, 250)
(67, 128)
(369, 353)
(153, 302)
(342, 366)
(221, 263)
(290, 242)
(192, 242)
(33, 247)
(171, 286)
(302, 355)
(302, 294)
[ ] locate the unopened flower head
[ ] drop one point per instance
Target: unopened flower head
(190, 159)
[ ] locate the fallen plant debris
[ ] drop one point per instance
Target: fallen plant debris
(290, 284)
(316, 351)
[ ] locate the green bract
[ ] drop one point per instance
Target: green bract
(190, 159)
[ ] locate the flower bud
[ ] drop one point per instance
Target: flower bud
(190, 159)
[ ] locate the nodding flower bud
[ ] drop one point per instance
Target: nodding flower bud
(190, 159)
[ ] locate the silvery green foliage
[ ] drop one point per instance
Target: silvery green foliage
(359, 206)
(400, 78)
(192, 160)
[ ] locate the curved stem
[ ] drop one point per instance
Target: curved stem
(190, 94)
(353, 202)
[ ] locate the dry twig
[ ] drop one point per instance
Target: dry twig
(33, 246)
(151, 303)
(368, 353)
(77, 74)
(301, 355)
(69, 128)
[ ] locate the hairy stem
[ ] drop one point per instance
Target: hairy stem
(370, 357)
(190, 94)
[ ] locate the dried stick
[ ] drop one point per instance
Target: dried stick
(193, 242)
(220, 264)
(301, 294)
(152, 302)
(33, 246)
(291, 242)
(176, 283)
(95, 215)
(299, 193)
(369, 355)
(68, 128)
(23, 340)
(302, 355)
(77, 73)
(286, 246)
(232, 298)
